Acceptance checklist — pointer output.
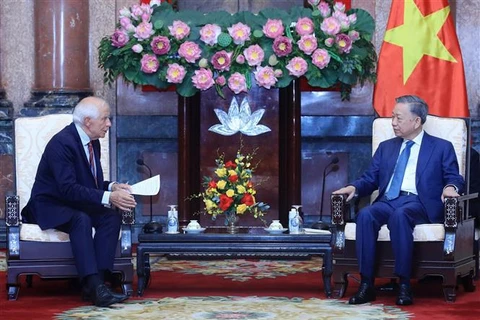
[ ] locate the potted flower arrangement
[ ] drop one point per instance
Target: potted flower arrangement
(230, 191)
(155, 45)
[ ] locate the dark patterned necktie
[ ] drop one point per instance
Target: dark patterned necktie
(394, 190)
(91, 161)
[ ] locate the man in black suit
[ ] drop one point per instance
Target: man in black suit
(69, 194)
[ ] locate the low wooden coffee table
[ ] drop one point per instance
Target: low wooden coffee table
(249, 243)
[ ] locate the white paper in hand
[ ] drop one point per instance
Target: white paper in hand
(148, 187)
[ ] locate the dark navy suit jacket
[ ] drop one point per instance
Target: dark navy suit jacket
(437, 167)
(64, 182)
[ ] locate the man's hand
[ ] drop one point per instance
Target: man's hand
(122, 199)
(350, 190)
(449, 192)
(122, 186)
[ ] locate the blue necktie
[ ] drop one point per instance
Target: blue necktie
(394, 190)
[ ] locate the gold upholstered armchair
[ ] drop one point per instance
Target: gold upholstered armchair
(445, 250)
(47, 253)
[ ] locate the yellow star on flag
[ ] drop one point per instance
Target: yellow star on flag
(418, 36)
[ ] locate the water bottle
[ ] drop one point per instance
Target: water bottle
(172, 220)
(293, 221)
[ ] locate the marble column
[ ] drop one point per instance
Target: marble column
(6, 153)
(62, 54)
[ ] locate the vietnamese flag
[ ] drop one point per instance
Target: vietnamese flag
(420, 55)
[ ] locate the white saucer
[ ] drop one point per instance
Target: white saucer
(275, 231)
(176, 232)
(194, 230)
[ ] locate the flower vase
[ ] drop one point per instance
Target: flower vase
(231, 220)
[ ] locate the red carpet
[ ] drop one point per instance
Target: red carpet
(48, 298)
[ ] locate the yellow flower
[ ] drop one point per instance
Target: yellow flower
(241, 189)
(221, 172)
(241, 208)
(230, 193)
(209, 204)
(221, 184)
(232, 172)
(211, 191)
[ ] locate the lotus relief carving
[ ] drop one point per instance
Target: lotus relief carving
(239, 119)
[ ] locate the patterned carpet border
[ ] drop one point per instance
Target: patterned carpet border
(236, 308)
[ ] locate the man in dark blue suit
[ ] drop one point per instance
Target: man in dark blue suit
(411, 188)
(69, 194)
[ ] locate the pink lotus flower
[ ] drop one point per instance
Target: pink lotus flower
(240, 59)
(265, 77)
(304, 26)
(221, 60)
(203, 79)
(126, 23)
(344, 43)
(136, 11)
(278, 73)
(124, 12)
(273, 28)
(282, 46)
(254, 55)
(339, 6)
(321, 58)
(297, 66)
(240, 33)
(308, 44)
(175, 73)
(329, 42)
(209, 34)
(342, 19)
(330, 26)
(324, 9)
(221, 81)
(160, 45)
(149, 63)
(352, 18)
(179, 29)
(119, 38)
(190, 51)
(237, 83)
(137, 48)
(143, 31)
(354, 35)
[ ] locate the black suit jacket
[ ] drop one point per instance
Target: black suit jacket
(64, 183)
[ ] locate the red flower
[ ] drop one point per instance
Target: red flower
(249, 184)
(230, 165)
(212, 184)
(233, 178)
(247, 199)
(225, 202)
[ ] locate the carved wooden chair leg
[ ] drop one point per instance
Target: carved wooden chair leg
(340, 285)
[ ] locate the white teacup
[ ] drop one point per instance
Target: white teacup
(276, 225)
(193, 224)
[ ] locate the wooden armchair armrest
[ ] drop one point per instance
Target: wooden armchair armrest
(12, 221)
(128, 218)
(340, 214)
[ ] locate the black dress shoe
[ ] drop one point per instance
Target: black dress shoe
(103, 297)
(364, 294)
(404, 296)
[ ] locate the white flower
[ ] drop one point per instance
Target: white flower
(239, 120)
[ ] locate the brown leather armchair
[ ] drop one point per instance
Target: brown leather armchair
(445, 250)
(47, 253)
